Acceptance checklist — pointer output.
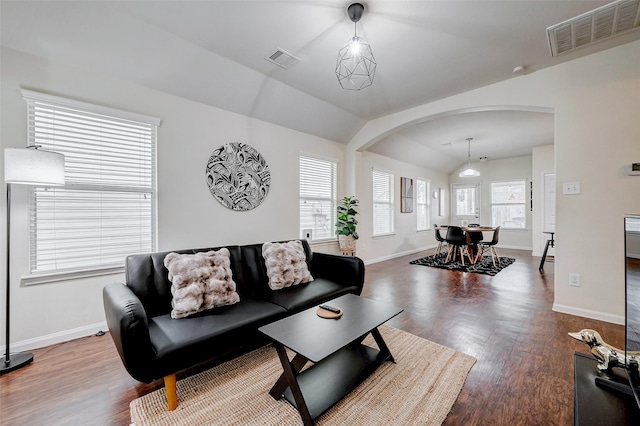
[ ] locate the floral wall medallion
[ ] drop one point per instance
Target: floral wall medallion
(238, 176)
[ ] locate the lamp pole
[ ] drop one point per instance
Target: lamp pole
(23, 358)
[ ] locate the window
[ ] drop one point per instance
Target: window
(422, 204)
(508, 204)
(382, 203)
(318, 197)
(107, 208)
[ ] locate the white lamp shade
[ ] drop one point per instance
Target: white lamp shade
(469, 173)
(30, 166)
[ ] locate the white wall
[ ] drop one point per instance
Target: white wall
(596, 101)
(406, 239)
(188, 216)
(495, 171)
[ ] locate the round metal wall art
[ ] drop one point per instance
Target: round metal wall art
(238, 176)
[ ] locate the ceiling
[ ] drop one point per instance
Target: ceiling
(213, 52)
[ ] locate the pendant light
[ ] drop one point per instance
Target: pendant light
(469, 172)
(356, 65)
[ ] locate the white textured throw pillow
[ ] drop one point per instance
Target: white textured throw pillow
(286, 264)
(200, 281)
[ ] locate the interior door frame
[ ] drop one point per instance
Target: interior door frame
(548, 204)
(457, 220)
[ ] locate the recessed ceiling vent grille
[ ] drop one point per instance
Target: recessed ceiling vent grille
(599, 24)
(284, 59)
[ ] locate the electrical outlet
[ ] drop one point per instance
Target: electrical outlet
(574, 280)
(571, 188)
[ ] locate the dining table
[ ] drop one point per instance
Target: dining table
(473, 242)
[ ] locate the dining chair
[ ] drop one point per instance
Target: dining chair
(491, 245)
(440, 239)
(457, 240)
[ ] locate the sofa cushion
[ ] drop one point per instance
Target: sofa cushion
(306, 295)
(148, 278)
(286, 264)
(194, 338)
(200, 281)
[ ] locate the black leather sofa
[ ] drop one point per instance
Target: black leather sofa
(152, 345)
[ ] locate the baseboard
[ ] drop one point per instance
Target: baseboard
(395, 255)
(54, 338)
(587, 313)
(500, 246)
(405, 253)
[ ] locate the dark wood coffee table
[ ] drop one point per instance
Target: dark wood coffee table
(341, 362)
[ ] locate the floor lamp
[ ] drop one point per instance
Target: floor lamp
(35, 167)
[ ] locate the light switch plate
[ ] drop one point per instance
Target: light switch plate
(571, 188)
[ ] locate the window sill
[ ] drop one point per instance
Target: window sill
(52, 277)
(324, 242)
(380, 236)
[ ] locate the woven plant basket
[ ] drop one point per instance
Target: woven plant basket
(347, 243)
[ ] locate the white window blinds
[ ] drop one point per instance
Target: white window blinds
(318, 197)
(107, 208)
(422, 204)
(508, 208)
(382, 203)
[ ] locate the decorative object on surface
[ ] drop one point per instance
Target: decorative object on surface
(323, 313)
(200, 281)
(608, 356)
(406, 195)
(346, 224)
(34, 167)
(425, 398)
(469, 172)
(286, 264)
(238, 176)
(356, 65)
(483, 266)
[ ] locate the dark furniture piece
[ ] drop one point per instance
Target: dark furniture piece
(550, 243)
(440, 239)
(491, 245)
(341, 362)
(595, 405)
(152, 345)
(457, 241)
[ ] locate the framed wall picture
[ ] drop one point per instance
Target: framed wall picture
(406, 195)
(238, 176)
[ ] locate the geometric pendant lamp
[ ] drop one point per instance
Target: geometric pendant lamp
(356, 65)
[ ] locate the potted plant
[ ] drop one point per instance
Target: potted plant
(346, 224)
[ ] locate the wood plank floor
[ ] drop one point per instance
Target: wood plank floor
(524, 373)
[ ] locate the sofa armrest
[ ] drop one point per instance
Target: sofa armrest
(344, 270)
(129, 329)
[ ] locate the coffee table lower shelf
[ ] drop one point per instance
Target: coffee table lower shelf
(324, 384)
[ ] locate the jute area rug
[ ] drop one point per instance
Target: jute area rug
(419, 390)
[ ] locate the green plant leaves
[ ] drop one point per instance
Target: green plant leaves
(346, 222)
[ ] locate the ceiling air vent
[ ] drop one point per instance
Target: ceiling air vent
(599, 24)
(283, 59)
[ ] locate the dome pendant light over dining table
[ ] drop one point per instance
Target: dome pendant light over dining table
(469, 172)
(356, 65)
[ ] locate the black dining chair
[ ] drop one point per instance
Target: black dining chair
(441, 241)
(457, 240)
(491, 245)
